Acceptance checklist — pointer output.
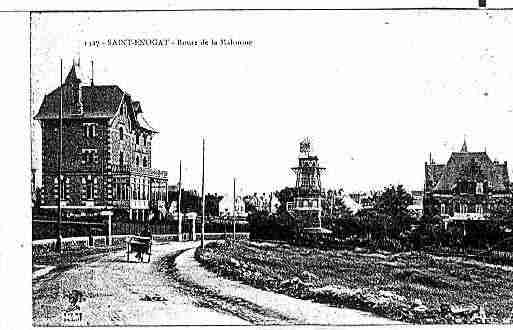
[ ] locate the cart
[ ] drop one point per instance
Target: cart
(139, 244)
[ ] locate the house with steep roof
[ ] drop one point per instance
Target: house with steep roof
(106, 154)
(468, 187)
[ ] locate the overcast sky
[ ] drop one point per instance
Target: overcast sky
(376, 90)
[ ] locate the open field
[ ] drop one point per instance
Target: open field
(386, 284)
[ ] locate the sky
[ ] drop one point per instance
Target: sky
(377, 91)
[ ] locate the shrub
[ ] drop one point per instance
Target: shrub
(387, 244)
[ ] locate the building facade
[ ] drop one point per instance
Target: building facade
(470, 186)
(106, 153)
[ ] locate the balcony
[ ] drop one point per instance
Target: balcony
(469, 216)
(304, 204)
(141, 171)
(139, 204)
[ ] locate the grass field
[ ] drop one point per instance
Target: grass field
(401, 278)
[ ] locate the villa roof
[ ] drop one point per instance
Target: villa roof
(98, 101)
(473, 166)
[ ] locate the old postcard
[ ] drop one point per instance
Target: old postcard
(271, 166)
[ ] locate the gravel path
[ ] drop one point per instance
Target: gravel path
(279, 309)
(121, 293)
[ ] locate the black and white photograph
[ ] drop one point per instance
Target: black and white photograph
(250, 167)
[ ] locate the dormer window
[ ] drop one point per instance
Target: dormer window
(121, 133)
(123, 109)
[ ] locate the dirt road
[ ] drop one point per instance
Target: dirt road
(119, 293)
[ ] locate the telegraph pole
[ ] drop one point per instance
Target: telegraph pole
(58, 244)
(234, 208)
(179, 203)
(203, 199)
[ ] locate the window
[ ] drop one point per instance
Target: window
(56, 188)
(144, 140)
(145, 162)
(121, 133)
(121, 158)
(89, 189)
(479, 188)
(479, 208)
(89, 156)
(137, 161)
(76, 94)
(464, 208)
(90, 130)
(137, 138)
(442, 209)
(124, 191)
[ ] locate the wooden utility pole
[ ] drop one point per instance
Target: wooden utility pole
(203, 198)
(234, 218)
(58, 244)
(180, 203)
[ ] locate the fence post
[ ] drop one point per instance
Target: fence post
(91, 242)
(109, 239)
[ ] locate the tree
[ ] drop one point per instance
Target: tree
(212, 204)
(390, 215)
(284, 196)
(394, 202)
(431, 207)
(191, 202)
(248, 205)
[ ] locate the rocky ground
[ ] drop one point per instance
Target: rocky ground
(409, 287)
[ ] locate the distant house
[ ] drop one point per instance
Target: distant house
(364, 200)
(226, 207)
(265, 202)
(339, 197)
(468, 187)
(417, 204)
